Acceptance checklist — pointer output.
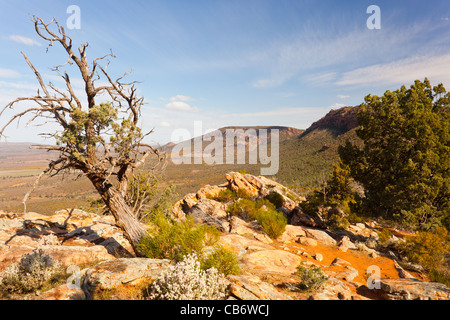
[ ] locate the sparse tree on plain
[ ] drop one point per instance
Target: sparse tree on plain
(102, 140)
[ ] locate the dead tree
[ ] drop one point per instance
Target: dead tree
(102, 140)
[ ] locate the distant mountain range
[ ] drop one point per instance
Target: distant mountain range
(305, 155)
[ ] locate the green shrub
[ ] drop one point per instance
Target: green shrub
(247, 209)
(441, 275)
(173, 240)
(223, 260)
(427, 248)
(311, 278)
(383, 236)
(272, 222)
(337, 222)
(275, 198)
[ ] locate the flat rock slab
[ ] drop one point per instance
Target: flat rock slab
(114, 273)
(76, 255)
(413, 289)
(252, 288)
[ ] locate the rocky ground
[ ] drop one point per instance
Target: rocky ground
(107, 268)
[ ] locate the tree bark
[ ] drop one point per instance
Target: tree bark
(122, 213)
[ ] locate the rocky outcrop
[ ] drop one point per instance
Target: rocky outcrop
(253, 288)
(75, 237)
(272, 261)
(413, 289)
(70, 236)
(112, 274)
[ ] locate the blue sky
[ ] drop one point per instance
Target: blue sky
(261, 62)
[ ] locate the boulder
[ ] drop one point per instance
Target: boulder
(298, 218)
(276, 261)
(237, 181)
(240, 244)
(204, 218)
(340, 262)
(292, 233)
(413, 289)
(321, 236)
(307, 241)
(346, 243)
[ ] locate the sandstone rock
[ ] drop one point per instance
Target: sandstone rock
(23, 240)
(33, 216)
(10, 225)
(63, 293)
(333, 289)
(321, 236)
(413, 289)
(340, 262)
(203, 218)
(345, 242)
(402, 273)
(307, 241)
(240, 244)
(114, 273)
(318, 257)
(213, 208)
(277, 261)
(210, 191)
(77, 255)
(298, 218)
(13, 252)
(292, 233)
(252, 288)
(237, 181)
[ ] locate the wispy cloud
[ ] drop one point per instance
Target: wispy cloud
(400, 72)
(342, 96)
(24, 40)
(8, 73)
(181, 97)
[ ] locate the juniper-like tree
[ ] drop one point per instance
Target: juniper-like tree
(102, 140)
(404, 165)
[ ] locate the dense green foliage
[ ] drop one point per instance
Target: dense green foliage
(225, 261)
(168, 239)
(276, 199)
(432, 251)
(404, 165)
(273, 222)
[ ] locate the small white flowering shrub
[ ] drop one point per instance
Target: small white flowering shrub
(29, 273)
(187, 281)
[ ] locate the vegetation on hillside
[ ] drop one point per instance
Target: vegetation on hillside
(404, 165)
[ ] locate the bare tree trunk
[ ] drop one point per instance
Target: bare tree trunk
(122, 213)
